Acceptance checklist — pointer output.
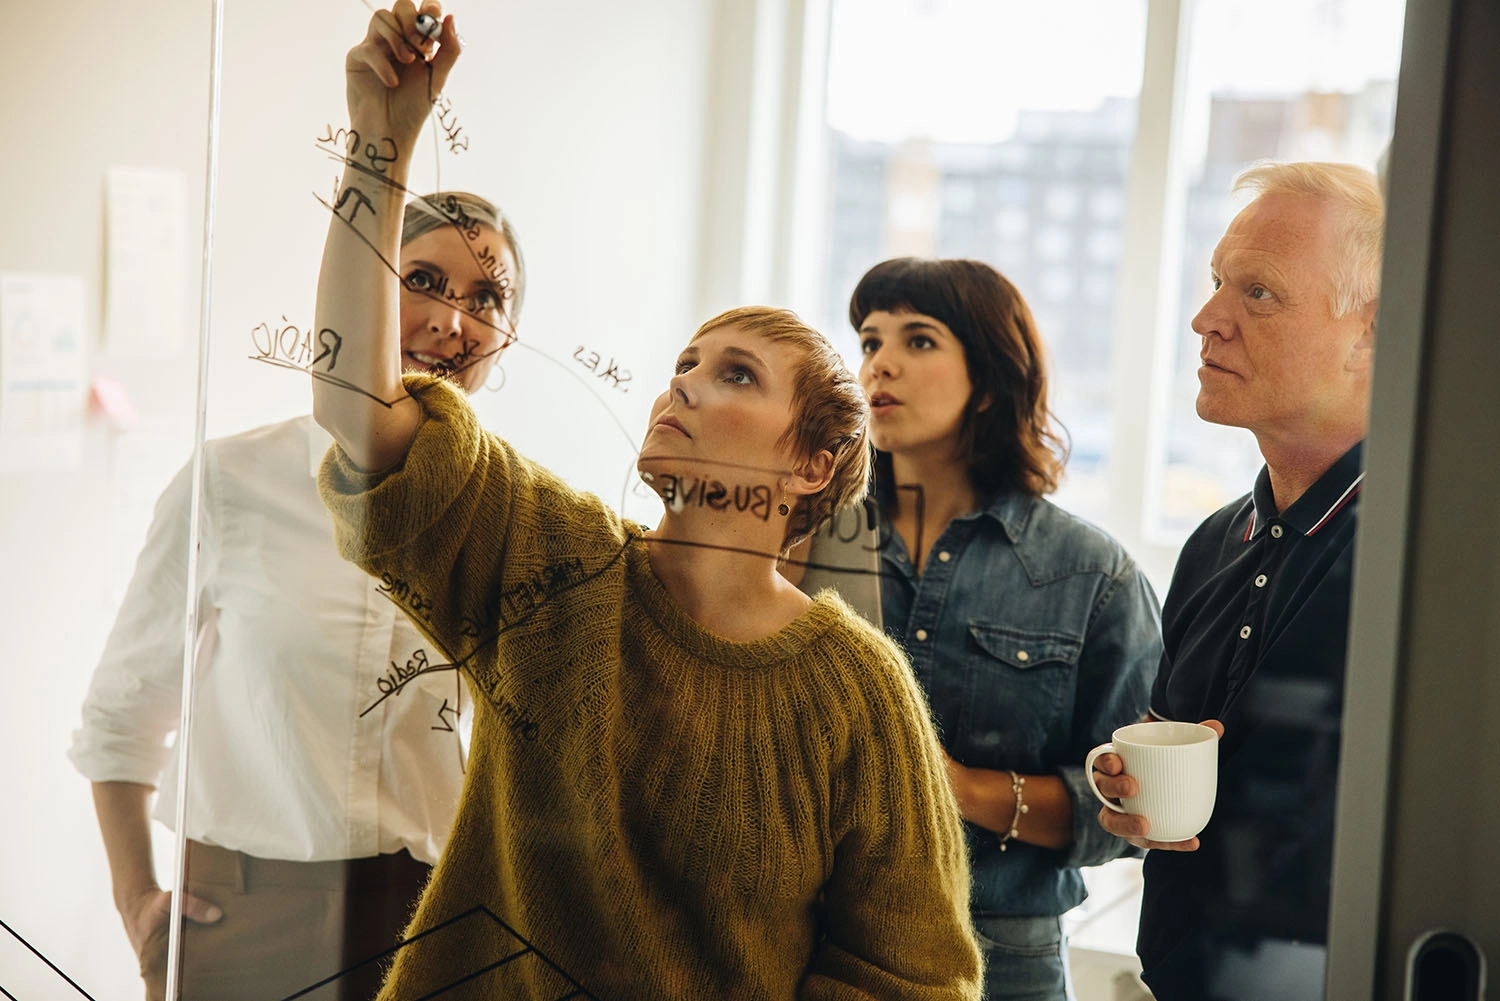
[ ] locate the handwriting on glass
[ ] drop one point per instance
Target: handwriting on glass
(850, 524)
(397, 676)
(447, 726)
(360, 201)
(517, 719)
(489, 260)
(406, 596)
(679, 492)
(461, 360)
(612, 374)
(490, 265)
(346, 142)
(543, 584)
(290, 345)
(448, 121)
(455, 214)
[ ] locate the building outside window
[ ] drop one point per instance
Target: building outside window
(1003, 131)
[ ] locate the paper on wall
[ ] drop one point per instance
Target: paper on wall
(43, 371)
(145, 263)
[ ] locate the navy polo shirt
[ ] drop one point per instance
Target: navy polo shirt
(1255, 626)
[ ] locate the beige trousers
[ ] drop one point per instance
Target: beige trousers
(287, 927)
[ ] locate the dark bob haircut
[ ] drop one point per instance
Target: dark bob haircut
(1008, 431)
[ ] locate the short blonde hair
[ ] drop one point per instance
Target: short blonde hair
(829, 412)
(1360, 228)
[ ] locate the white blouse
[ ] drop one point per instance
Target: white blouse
(324, 725)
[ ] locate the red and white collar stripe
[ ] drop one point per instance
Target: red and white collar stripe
(1344, 498)
(1338, 505)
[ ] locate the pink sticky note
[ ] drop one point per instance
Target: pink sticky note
(110, 396)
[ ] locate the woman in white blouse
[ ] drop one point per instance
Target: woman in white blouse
(326, 760)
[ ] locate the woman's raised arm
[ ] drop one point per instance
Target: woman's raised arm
(392, 78)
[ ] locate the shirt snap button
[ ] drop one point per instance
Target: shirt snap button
(1022, 656)
(944, 556)
(1275, 531)
(921, 634)
(1260, 581)
(1245, 633)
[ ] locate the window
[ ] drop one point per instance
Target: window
(1034, 108)
(1282, 80)
(938, 147)
(1018, 124)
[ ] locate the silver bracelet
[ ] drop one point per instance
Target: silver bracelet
(1017, 786)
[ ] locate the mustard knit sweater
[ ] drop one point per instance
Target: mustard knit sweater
(651, 811)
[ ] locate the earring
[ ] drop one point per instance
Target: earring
(781, 508)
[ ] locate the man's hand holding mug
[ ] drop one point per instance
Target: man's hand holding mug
(1165, 776)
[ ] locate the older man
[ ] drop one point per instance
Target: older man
(1255, 620)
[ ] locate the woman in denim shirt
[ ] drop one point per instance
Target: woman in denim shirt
(1033, 633)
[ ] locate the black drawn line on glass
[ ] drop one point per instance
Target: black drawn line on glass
(517, 720)
(396, 689)
(613, 375)
(469, 628)
(53, 966)
(332, 380)
(432, 99)
(406, 595)
(477, 973)
(677, 493)
(302, 344)
(472, 230)
(346, 139)
(363, 201)
(7, 993)
(480, 909)
(447, 726)
(398, 675)
(465, 358)
(921, 506)
(507, 332)
(442, 107)
(475, 360)
(508, 337)
(349, 142)
(450, 211)
(618, 424)
(455, 216)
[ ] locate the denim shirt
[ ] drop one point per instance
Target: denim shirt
(1034, 636)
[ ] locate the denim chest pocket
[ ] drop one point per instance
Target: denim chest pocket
(1019, 683)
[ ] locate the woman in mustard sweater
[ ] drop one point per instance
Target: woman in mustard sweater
(687, 778)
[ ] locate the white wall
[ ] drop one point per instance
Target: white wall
(588, 123)
(90, 88)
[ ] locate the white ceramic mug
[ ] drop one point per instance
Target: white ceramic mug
(1176, 769)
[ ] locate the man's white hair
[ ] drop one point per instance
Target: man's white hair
(1360, 226)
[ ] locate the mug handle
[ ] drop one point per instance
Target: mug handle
(1088, 771)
